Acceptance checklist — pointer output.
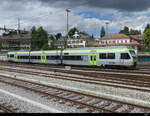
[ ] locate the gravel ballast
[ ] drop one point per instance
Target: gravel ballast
(103, 91)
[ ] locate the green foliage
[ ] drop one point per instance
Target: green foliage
(84, 33)
(53, 42)
(135, 32)
(147, 37)
(39, 39)
(102, 32)
(58, 36)
(147, 27)
(0, 44)
(72, 31)
(126, 31)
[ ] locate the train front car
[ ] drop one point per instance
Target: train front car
(10, 56)
(134, 58)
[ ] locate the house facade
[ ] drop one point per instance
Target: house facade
(16, 42)
(120, 40)
(76, 41)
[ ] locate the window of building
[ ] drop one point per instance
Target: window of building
(125, 56)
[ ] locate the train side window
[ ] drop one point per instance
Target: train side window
(11, 55)
(102, 56)
(53, 57)
(125, 56)
(72, 58)
(111, 56)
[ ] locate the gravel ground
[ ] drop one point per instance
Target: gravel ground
(96, 88)
(29, 108)
(22, 106)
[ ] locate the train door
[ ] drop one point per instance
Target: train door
(15, 58)
(93, 59)
(43, 58)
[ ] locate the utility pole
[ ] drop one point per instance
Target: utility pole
(107, 23)
(67, 10)
(18, 25)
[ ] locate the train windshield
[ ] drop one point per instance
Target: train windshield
(134, 55)
(132, 52)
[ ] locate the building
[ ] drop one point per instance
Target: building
(76, 41)
(120, 40)
(16, 42)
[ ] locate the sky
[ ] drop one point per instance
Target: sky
(86, 15)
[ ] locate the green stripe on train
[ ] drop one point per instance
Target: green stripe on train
(71, 51)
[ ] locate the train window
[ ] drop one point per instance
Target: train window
(66, 53)
(11, 55)
(39, 57)
(91, 58)
(125, 56)
(53, 57)
(23, 57)
(111, 56)
(72, 58)
(102, 56)
(35, 57)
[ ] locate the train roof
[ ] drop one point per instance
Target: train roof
(78, 49)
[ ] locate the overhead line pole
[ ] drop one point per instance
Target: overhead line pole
(67, 10)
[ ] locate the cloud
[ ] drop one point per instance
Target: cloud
(52, 16)
(121, 5)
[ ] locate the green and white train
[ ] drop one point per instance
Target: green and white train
(91, 56)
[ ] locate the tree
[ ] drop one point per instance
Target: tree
(0, 44)
(134, 32)
(33, 30)
(125, 30)
(58, 36)
(103, 31)
(72, 31)
(39, 38)
(147, 27)
(147, 37)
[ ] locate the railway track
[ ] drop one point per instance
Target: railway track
(5, 108)
(141, 70)
(119, 82)
(76, 99)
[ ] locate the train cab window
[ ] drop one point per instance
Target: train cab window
(125, 56)
(111, 56)
(103, 56)
(132, 52)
